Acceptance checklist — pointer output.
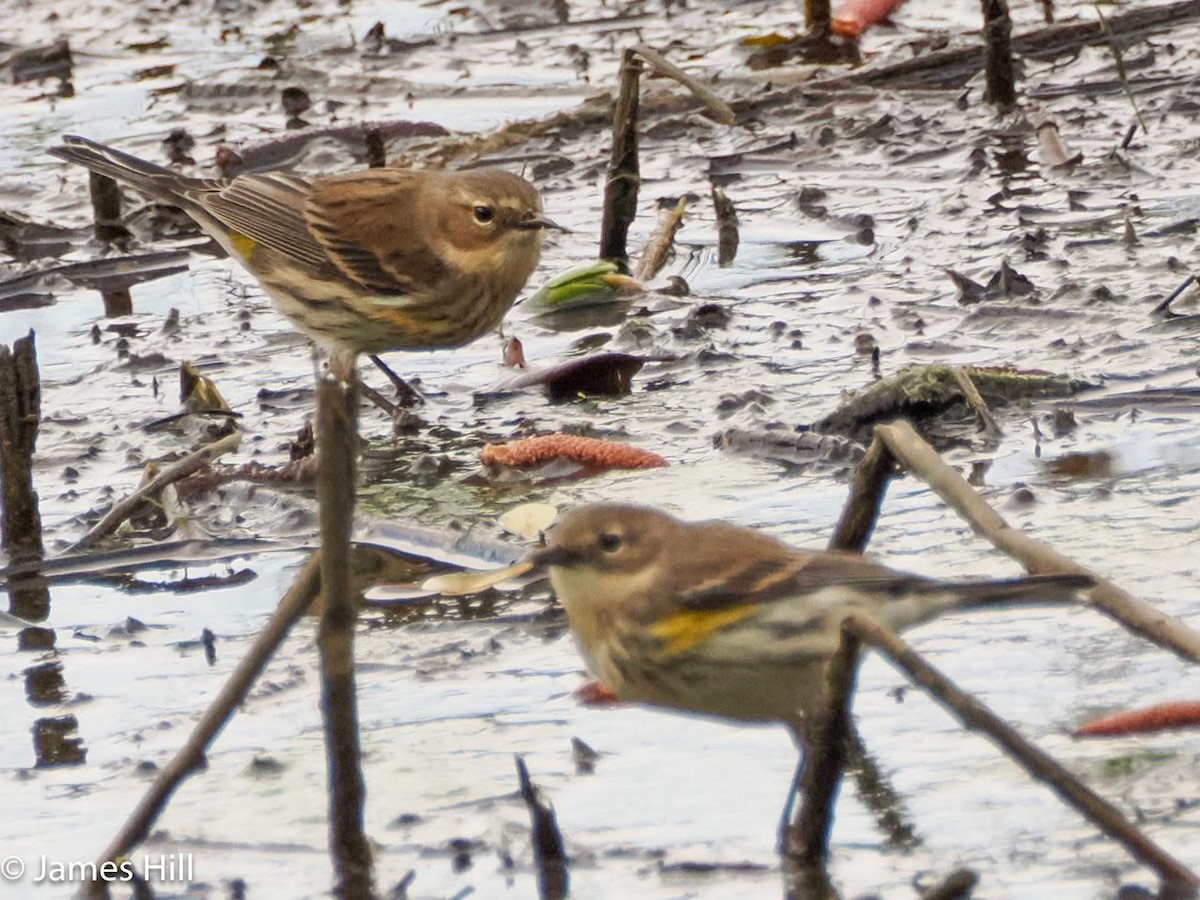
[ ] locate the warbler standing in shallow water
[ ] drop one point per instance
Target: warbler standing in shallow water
(362, 262)
(719, 619)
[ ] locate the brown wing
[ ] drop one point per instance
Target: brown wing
(268, 209)
(752, 567)
(373, 226)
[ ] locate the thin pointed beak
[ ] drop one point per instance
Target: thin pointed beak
(532, 222)
(556, 556)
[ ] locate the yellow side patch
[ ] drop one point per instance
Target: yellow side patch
(685, 630)
(242, 244)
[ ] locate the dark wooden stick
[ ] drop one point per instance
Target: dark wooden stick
(717, 108)
(176, 471)
(977, 717)
(1001, 86)
(549, 855)
(337, 435)
(190, 757)
(825, 740)
(20, 415)
(624, 178)
(818, 18)
(868, 487)
(106, 208)
(1136, 615)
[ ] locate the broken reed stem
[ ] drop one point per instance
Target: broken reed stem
(721, 111)
(1119, 62)
(549, 854)
(178, 470)
(1001, 87)
(624, 178)
(727, 227)
(337, 437)
(376, 151)
(868, 487)
(826, 738)
(1165, 305)
(661, 242)
(818, 18)
(987, 422)
(976, 717)
(191, 756)
(106, 208)
(20, 416)
(1136, 615)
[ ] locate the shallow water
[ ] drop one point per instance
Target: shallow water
(446, 699)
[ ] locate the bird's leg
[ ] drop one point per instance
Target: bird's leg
(789, 806)
(343, 365)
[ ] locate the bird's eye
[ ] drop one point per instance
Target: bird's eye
(610, 542)
(484, 214)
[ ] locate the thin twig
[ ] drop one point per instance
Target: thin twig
(549, 854)
(168, 476)
(1165, 305)
(658, 247)
(977, 717)
(191, 756)
(721, 111)
(868, 487)
(986, 420)
(1119, 62)
(1136, 615)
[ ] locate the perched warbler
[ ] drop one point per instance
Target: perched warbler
(719, 619)
(362, 262)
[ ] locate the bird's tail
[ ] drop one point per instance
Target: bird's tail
(1032, 589)
(159, 182)
(922, 599)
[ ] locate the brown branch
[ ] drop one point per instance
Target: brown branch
(191, 756)
(867, 490)
(661, 242)
(987, 421)
(337, 436)
(1136, 615)
(721, 111)
(177, 470)
(549, 855)
(20, 415)
(826, 738)
(976, 717)
(624, 178)
(1000, 81)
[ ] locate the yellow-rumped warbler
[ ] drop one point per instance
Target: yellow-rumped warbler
(719, 619)
(369, 261)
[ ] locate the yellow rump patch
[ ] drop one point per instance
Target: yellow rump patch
(242, 244)
(685, 630)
